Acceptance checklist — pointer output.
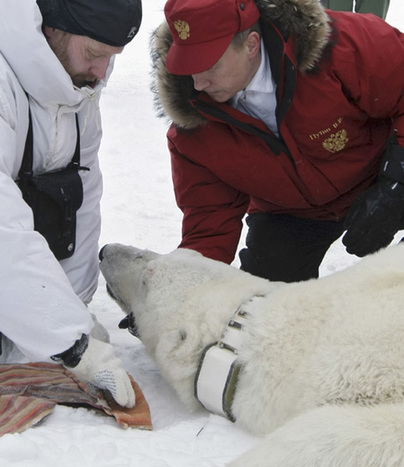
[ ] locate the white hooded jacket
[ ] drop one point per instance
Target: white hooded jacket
(43, 301)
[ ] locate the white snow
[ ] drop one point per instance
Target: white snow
(139, 209)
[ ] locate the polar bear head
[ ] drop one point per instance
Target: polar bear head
(122, 267)
(181, 302)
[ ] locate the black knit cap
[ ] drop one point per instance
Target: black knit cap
(112, 22)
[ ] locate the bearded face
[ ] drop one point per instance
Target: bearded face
(84, 59)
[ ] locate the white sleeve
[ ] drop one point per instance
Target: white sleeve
(39, 310)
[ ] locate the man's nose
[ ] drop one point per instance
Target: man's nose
(99, 69)
(200, 81)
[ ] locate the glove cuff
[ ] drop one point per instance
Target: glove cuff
(393, 162)
(72, 356)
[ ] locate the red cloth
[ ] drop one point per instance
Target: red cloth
(29, 392)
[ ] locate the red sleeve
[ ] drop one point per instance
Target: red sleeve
(213, 211)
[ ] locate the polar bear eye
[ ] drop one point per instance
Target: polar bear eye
(183, 335)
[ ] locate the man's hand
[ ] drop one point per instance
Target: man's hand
(374, 218)
(95, 363)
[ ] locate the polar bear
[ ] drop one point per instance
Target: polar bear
(320, 368)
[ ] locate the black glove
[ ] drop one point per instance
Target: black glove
(376, 215)
(374, 218)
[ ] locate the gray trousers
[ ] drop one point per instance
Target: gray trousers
(377, 7)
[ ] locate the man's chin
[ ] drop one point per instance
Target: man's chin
(218, 97)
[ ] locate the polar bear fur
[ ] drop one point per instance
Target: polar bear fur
(322, 361)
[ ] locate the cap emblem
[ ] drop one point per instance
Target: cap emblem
(182, 28)
(132, 32)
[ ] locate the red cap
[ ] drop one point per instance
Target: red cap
(202, 30)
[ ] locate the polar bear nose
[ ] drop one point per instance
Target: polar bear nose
(101, 253)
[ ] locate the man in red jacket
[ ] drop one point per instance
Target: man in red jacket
(290, 114)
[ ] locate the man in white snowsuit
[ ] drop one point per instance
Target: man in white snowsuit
(55, 58)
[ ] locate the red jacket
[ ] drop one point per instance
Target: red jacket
(337, 106)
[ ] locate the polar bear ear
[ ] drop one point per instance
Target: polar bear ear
(149, 271)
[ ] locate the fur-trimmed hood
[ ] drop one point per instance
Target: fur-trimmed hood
(304, 20)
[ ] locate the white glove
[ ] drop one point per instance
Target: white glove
(98, 366)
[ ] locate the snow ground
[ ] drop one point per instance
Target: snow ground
(139, 209)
